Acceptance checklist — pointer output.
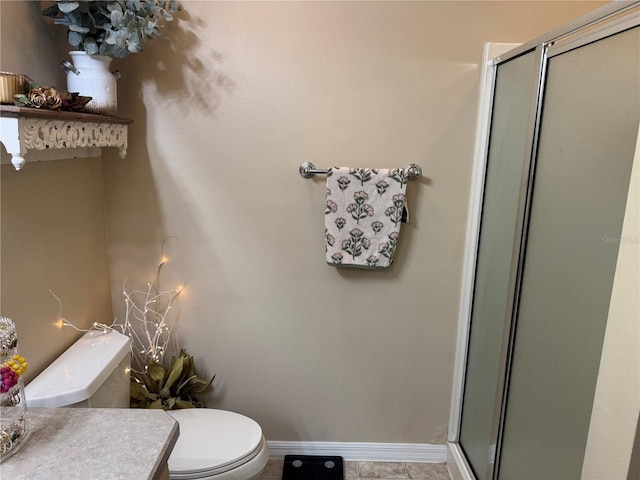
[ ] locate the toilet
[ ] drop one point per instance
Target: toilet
(94, 372)
(217, 445)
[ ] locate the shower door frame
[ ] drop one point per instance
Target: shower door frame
(601, 23)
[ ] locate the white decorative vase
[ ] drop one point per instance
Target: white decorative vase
(91, 78)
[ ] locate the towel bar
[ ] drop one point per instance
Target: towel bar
(308, 170)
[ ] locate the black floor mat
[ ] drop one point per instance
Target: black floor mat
(312, 467)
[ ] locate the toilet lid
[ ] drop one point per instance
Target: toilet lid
(212, 440)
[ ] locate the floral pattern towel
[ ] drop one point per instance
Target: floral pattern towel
(363, 212)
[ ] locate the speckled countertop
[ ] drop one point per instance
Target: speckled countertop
(93, 443)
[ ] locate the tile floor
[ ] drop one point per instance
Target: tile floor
(358, 470)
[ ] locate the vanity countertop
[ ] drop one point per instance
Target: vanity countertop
(94, 443)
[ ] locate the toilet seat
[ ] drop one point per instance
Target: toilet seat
(213, 442)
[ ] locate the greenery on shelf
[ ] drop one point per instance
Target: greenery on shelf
(116, 28)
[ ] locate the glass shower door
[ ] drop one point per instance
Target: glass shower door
(506, 177)
(564, 124)
(587, 136)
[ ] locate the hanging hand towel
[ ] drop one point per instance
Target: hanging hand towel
(363, 212)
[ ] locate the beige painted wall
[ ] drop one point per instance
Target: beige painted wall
(254, 89)
(226, 106)
(53, 234)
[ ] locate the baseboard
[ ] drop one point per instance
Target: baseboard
(375, 452)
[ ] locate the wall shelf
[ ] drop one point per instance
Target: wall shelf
(30, 134)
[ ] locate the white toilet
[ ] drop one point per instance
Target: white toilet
(94, 372)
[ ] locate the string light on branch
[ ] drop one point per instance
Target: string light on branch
(146, 319)
(63, 322)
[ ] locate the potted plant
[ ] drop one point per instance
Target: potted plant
(177, 387)
(100, 31)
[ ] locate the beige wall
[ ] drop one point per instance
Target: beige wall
(53, 234)
(226, 106)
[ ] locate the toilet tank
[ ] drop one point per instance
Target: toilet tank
(93, 372)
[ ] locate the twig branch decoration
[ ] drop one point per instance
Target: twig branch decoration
(147, 320)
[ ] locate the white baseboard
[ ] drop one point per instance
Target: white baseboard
(375, 452)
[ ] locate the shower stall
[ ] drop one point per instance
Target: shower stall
(551, 218)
